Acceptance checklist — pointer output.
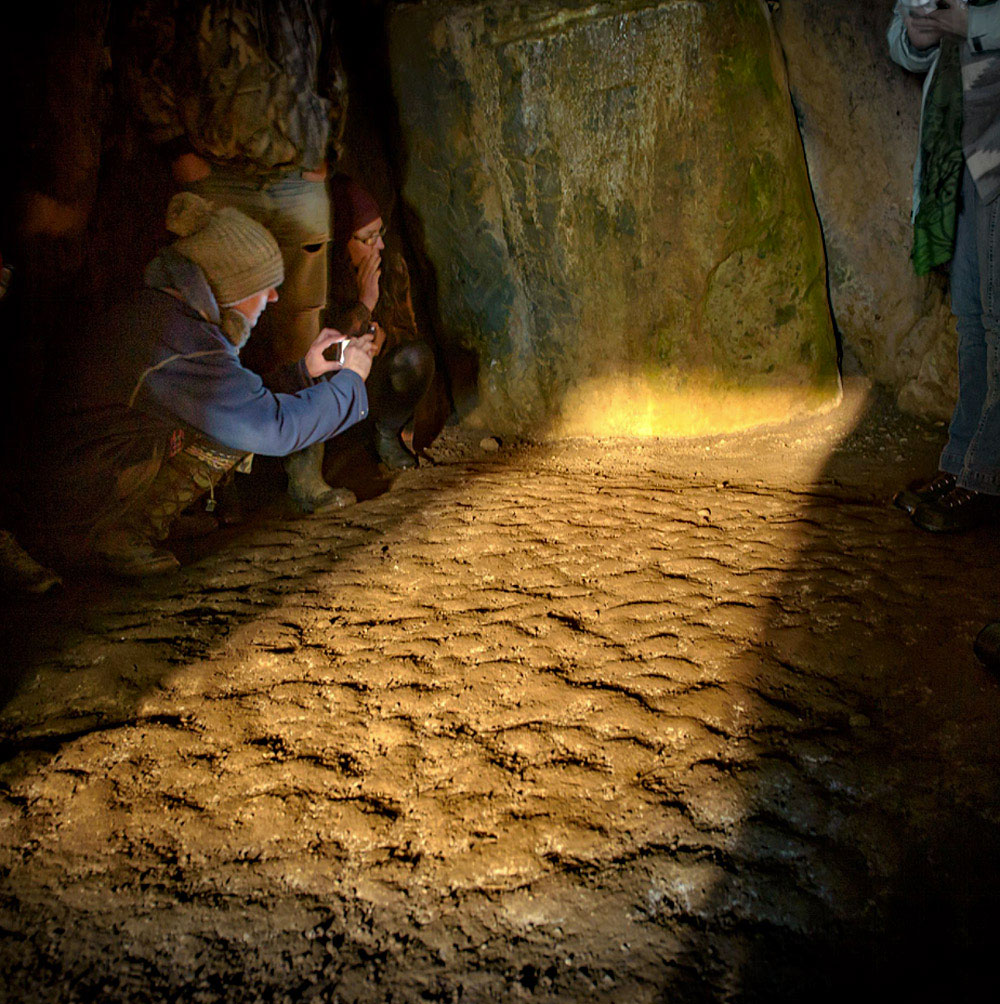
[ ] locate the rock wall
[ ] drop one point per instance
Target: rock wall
(859, 117)
(614, 201)
(609, 198)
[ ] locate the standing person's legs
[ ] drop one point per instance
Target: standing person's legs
(297, 212)
(299, 218)
(972, 453)
(967, 306)
(981, 467)
(300, 222)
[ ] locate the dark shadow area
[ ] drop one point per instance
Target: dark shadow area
(866, 860)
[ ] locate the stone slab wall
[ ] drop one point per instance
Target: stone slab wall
(614, 200)
(859, 118)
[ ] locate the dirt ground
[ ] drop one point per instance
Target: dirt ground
(595, 720)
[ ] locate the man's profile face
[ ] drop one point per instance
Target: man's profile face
(253, 306)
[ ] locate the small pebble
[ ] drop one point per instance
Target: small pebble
(489, 444)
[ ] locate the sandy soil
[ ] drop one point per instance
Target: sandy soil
(596, 720)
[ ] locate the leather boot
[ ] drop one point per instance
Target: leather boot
(127, 552)
(306, 486)
(392, 450)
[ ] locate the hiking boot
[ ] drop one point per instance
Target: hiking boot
(958, 510)
(306, 486)
(19, 572)
(127, 553)
(924, 490)
(391, 449)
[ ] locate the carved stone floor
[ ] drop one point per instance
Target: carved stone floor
(595, 720)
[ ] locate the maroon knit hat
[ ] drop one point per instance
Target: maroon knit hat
(353, 208)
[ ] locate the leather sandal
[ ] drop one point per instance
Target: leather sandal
(924, 490)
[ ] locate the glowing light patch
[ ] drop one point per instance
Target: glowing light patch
(694, 406)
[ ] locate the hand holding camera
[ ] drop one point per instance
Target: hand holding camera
(357, 353)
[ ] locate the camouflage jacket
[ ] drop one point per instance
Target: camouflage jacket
(254, 84)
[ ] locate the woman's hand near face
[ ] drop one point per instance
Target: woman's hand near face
(369, 273)
(378, 336)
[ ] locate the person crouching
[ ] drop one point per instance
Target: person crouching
(370, 292)
(155, 407)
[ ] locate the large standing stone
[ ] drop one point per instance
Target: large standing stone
(859, 116)
(615, 202)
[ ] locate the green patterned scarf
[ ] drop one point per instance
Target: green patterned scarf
(941, 163)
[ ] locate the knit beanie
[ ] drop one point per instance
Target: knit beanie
(353, 208)
(238, 256)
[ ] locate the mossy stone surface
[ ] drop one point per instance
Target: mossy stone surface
(614, 195)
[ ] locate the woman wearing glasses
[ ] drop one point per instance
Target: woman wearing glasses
(372, 289)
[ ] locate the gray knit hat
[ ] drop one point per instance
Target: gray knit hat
(238, 256)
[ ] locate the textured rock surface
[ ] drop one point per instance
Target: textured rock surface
(859, 116)
(614, 199)
(608, 722)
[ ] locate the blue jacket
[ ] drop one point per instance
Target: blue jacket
(193, 373)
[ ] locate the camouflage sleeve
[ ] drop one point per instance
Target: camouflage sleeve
(332, 79)
(149, 54)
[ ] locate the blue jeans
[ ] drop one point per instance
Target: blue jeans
(972, 452)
